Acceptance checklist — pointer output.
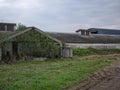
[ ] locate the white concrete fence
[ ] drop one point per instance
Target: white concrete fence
(96, 46)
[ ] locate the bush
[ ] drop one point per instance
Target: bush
(90, 51)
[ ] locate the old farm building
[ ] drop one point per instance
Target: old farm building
(33, 42)
(107, 39)
(15, 44)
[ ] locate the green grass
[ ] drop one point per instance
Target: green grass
(91, 51)
(49, 75)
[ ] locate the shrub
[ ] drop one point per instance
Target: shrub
(89, 51)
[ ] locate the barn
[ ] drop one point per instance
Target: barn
(86, 40)
(33, 42)
(15, 45)
(98, 31)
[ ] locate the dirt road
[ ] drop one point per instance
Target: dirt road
(106, 79)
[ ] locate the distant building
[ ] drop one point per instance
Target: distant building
(97, 41)
(104, 31)
(98, 31)
(7, 26)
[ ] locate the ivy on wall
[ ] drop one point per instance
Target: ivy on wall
(3, 37)
(37, 44)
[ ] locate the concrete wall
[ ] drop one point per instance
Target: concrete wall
(96, 46)
(67, 52)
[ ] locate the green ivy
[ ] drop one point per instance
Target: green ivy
(37, 44)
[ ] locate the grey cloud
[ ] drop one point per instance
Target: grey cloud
(62, 15)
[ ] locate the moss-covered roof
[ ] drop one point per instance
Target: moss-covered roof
(68, 37)
(10, 35)
(77, 38)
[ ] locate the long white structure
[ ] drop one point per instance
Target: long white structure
(92, 45)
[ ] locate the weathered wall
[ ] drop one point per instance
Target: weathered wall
(67, 52)
(8, 47)
(5, 48)
(96, 46)
(0, 53)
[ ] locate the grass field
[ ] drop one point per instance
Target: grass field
(50, 75)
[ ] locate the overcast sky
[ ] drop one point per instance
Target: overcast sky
(62, 15)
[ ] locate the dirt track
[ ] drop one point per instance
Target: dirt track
(106, 79)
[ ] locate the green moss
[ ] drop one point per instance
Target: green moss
(37, 44)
